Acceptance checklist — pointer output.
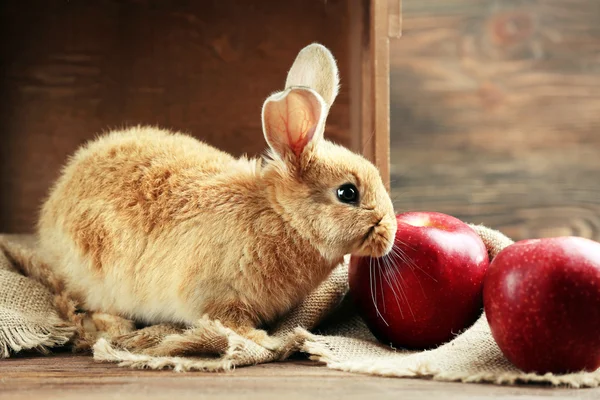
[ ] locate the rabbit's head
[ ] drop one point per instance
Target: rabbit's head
(330, 195)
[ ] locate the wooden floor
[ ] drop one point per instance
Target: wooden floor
(67, 376)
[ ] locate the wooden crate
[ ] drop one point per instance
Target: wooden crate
(74, 69)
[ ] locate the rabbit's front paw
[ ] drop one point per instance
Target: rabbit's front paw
(145, 338)
(107, 325)
(261, 338)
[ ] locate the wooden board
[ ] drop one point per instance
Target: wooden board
(371, 24)
(72, 69)
(495, 113)
(67, 377)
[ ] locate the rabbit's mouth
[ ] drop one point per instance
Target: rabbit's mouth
(378, 241)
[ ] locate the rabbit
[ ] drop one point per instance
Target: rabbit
(159, 227)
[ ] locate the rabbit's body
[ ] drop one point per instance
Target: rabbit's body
(147, 224)
(160, 227)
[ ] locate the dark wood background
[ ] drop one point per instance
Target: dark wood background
(496, 113)
(495, 105)
(71, 69)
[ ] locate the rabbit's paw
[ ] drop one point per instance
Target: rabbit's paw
(145, 338)
(261, 338)
(107, 325)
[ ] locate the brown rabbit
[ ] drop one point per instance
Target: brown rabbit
(159, 227)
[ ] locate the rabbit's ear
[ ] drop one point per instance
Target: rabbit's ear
(293, 123)
(315, 68)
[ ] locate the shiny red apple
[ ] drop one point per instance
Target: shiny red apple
(542, 301)
(430, 287)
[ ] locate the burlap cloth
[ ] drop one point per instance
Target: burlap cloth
(36, 315)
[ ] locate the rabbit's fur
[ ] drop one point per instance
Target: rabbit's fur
(159, 227)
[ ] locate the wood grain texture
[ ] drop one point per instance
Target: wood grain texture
(65, 377)
(380, 78)
(70, 70)
(496, 113)
(369, 69)
(394, 18)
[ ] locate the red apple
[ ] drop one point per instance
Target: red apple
(542, 301)
(429, 288)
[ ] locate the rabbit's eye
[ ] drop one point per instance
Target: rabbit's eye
(348, 193)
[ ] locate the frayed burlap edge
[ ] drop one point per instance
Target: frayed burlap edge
(39, 328)
(207, 336)
(104, 351)
(39, 338)
(225, 349)
(319, 350)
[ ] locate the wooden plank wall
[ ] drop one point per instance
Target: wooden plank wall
(72, 69)
(495, 113)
